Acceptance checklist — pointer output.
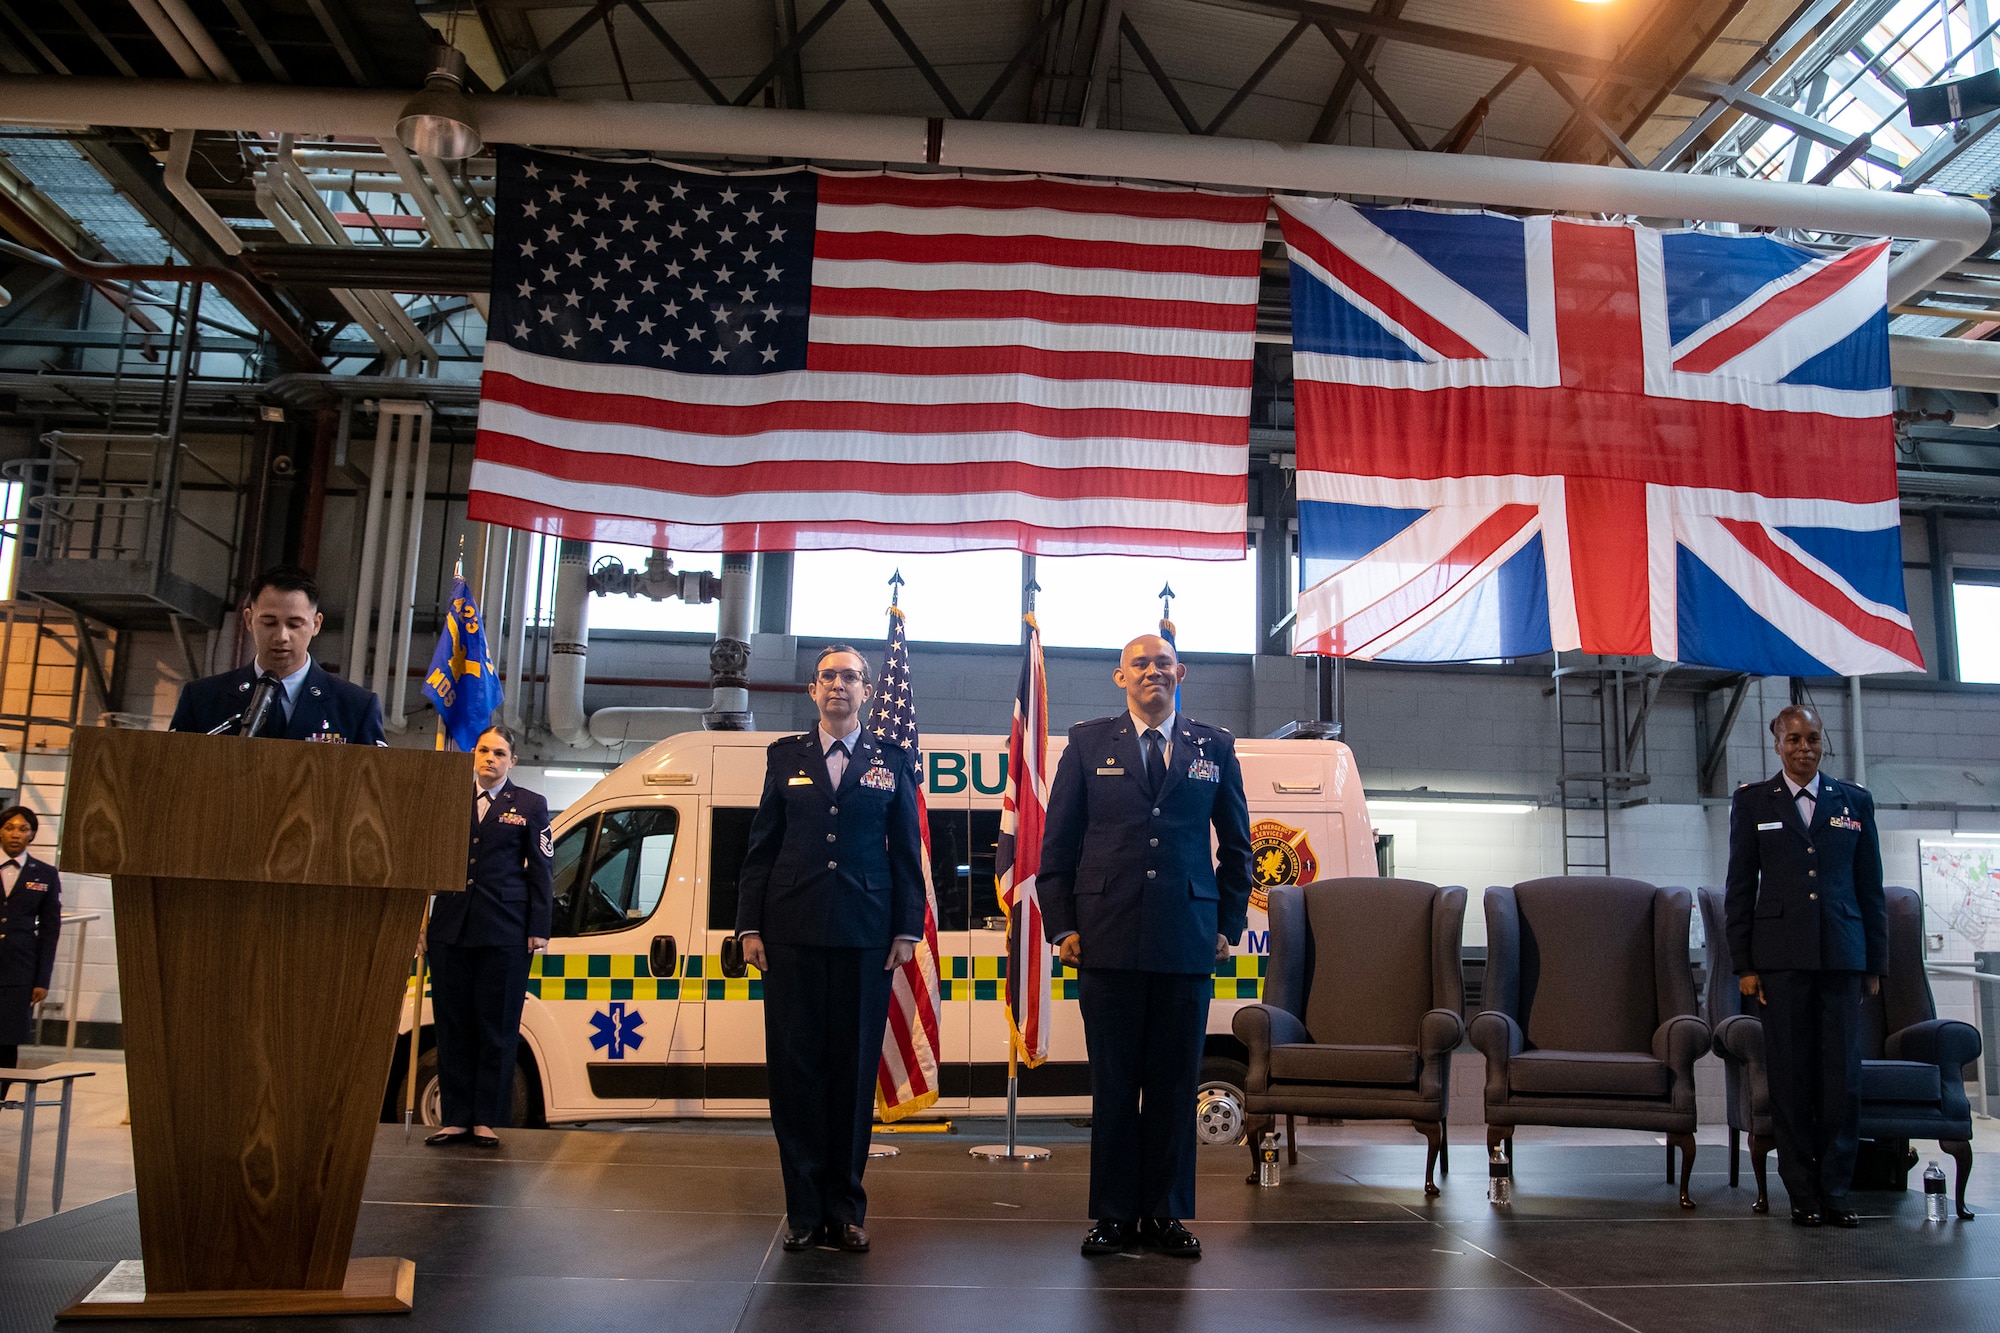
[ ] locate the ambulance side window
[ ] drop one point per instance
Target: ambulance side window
(570, 849)
(951, 870)
(628, 867)
(983, 886)
(728, 844)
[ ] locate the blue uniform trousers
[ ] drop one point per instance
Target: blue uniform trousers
(476, 997)
(1812, 1052)
(824, 1014)
(1144, 1031)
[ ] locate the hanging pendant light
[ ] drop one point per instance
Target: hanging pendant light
(438, 120)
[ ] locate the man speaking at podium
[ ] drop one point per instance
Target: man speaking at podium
(297, 701)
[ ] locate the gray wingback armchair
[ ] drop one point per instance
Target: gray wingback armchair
(1363, 1005)
(1913, 1065)
(1589, 1017)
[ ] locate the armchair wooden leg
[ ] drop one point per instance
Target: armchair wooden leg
(1735, 1147)
(1760, 1148)
(1961, 1152)
(1670, 1159)
(1684, 1142)
(1291, 1140)
(1444, 1147)
(1254, 1129)
(1433, 1132)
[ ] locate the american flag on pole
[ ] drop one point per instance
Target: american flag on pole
(1018, 859)
(800, 360)
(906, 1081)
(1523, 434)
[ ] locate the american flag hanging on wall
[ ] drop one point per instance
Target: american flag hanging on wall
(906, 1080)
(798, 360)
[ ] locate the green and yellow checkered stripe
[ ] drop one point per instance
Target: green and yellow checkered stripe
(627, 976)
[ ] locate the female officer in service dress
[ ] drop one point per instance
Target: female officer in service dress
(30, 921)
(480, 942)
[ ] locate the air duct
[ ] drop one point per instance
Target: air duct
(1951, 228)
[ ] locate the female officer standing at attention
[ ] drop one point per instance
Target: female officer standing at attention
(30, 921)
(480, 942)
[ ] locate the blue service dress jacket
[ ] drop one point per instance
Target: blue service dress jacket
(327, 708)
(834, 869)
(509, 881)
(1132, 872)
(1804, 898)
(30, 922)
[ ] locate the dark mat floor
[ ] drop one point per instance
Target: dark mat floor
(677, 1227)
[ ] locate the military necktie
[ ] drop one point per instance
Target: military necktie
(274, 716)
(1156, 759)
(836, 762)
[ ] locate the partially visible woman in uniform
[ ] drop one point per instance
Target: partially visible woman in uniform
(30, 921)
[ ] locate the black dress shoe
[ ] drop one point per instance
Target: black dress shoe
(1839, 1216)
(1110, 1238)
(485, 1141)
(851, 1236)
(1169, 1237)
(447, 1139)
(800, 1238)
(1805, 1217)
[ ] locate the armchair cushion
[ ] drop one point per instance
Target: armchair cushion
(1344, 1064)
(1588, 1074)
(1900, 1081)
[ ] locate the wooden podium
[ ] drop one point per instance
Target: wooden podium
(267, 896)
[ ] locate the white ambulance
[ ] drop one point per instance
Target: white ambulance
(630, 1014)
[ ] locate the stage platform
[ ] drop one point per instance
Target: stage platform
(676, 1228)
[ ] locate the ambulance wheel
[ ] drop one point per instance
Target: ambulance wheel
(1218, 1103)
(430, 1102)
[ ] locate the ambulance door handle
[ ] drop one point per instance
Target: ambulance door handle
(665, 956)
(732, 957)
(1297, 788)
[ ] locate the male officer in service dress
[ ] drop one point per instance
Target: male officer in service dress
(479, 943)
(282, 616)
(831, 902)
(1809, 930)
(30, 925)
(1132, 898)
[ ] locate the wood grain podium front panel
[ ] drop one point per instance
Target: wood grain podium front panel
(256, 1078)
(268, 895)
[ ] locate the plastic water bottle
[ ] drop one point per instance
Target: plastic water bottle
(1936, 1208)
(1499, 1176)
(1267, 1159)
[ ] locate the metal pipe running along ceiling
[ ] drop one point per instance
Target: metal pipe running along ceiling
(1946, 229)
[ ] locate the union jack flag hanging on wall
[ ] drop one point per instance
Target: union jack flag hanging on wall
(1519, 434)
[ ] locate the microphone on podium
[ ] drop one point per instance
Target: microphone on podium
(263, 698)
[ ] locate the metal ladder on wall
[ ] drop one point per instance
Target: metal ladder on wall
(1601, 713)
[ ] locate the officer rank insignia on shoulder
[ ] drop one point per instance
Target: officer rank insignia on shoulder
(513, 817)
(1205, 770)
(879, 777)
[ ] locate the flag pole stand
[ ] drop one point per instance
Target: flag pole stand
(1011, 1151)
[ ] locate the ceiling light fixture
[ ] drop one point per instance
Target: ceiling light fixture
(438, 121)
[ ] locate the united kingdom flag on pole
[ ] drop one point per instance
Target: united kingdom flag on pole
(1024, 813)
(1524, 434)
